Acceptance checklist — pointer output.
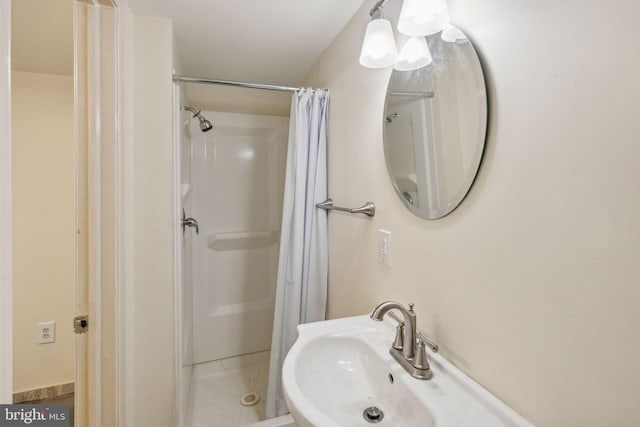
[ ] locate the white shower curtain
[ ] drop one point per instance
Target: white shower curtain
(302, 267)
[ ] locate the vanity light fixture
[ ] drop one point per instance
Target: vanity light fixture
(414, 54)
(379, 46)
(453, 35)
(418, 18)
(423, 17)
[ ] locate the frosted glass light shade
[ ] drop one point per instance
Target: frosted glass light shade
(453, 35)
(423, 17)
(379, 46)
(414, 54)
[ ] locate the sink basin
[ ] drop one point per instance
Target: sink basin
(342, 376)
(339, 368)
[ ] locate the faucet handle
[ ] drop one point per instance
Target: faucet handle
(420, 360)
(433, 346)
(398, 341)
(410, 306)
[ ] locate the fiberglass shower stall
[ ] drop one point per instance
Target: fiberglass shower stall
(243, 284)
(231, 185)
(237, 175)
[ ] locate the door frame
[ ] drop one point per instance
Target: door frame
(87, 103)
(123, 243)
(6, 298)
(114, 341)
(99, 120)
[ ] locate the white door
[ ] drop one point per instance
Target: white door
(82, 250)
(238, 178)
(97, 134)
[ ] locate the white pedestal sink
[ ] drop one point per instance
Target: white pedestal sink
(339, 368)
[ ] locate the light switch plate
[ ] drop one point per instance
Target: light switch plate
(384, 247)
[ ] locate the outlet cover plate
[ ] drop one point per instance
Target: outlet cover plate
(46, 332)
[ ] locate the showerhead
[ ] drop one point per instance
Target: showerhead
(205, 125)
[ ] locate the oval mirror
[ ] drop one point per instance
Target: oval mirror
(435, 122)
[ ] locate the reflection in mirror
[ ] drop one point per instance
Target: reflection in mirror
(435, 123)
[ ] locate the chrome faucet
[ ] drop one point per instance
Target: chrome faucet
(409, 335)
(406, 349)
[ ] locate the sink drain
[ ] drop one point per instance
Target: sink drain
(373, 415)
(249, 399)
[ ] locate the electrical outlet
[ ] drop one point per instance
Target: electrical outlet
(46, 332)
(384, 247)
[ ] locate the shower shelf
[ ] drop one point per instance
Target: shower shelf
(407, 183)
(242, 240)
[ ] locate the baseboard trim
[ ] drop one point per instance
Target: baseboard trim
(43, 393)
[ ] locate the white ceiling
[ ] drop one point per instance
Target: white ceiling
(274, 41)
(261, 41)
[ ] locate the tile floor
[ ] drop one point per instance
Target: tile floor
(218, 387)
(67, 399)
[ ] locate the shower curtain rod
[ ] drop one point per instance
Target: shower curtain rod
(184, 79)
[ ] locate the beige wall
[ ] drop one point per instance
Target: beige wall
(152, 335)
(238, 100)
(43, 227)
(531, 285)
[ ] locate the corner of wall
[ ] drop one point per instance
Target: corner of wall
(147, 233)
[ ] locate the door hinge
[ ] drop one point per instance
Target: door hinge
(81, 324)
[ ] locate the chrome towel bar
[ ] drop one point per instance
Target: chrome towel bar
(369, 209)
